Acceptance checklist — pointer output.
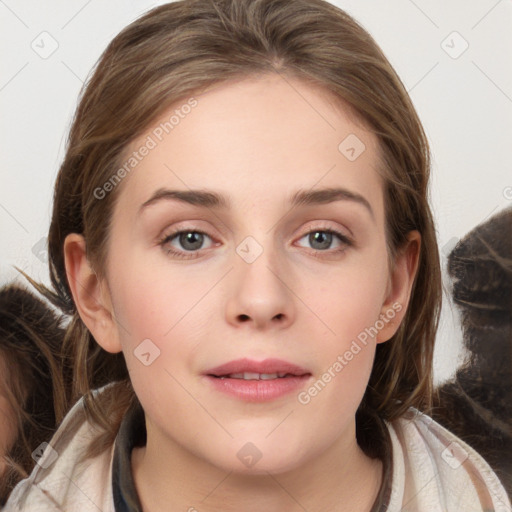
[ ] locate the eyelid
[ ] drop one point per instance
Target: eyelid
(314, 226)
(173, 232)
(191, 225)
(344, 240)
(165, 239)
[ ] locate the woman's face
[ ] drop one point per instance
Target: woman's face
(248, 275)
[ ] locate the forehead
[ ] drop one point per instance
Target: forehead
(255, 139)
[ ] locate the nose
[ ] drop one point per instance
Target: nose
(260, 295)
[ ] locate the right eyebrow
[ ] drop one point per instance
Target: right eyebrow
(194, 197)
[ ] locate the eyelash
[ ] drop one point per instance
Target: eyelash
(188, 255)
(345, 241)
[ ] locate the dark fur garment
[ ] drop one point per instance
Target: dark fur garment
(477, 404)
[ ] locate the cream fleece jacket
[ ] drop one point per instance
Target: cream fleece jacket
(433, 471)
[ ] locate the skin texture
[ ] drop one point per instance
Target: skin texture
(256, 141)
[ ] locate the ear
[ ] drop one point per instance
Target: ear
(91, 294)
(399, 287)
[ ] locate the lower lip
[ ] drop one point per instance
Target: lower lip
(258, 390)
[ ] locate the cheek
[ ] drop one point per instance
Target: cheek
(349, 304)
(345, 357)
(152, 301)
(349, 299)
(163, 315)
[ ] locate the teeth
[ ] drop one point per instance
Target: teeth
(250, 376)
(268, 376)
(256, 376)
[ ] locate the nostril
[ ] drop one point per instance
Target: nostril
(279, 316)
(243, 318)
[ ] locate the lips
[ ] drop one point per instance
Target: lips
(257, 370)
(257, 381)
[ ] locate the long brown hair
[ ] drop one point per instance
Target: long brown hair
(178, 50)
(36, 380)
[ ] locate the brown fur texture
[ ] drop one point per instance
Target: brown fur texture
(477, 404)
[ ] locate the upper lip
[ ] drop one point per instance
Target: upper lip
(251, 366)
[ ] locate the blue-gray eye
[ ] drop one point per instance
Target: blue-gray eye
(320, 240)
(324, 239)
(191, 240)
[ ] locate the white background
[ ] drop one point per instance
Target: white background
(465, 104)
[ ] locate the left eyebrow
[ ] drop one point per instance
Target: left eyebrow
(210, 199)
(329, 195)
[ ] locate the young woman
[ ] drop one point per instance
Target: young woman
(242, 213)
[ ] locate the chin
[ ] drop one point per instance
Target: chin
(264, 466)
(259, 457)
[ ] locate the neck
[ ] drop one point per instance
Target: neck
(340, 479)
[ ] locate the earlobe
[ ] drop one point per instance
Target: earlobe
(400, 285)
(90, 294)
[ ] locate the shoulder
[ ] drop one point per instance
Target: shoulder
(435, 470)
(61, 481)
